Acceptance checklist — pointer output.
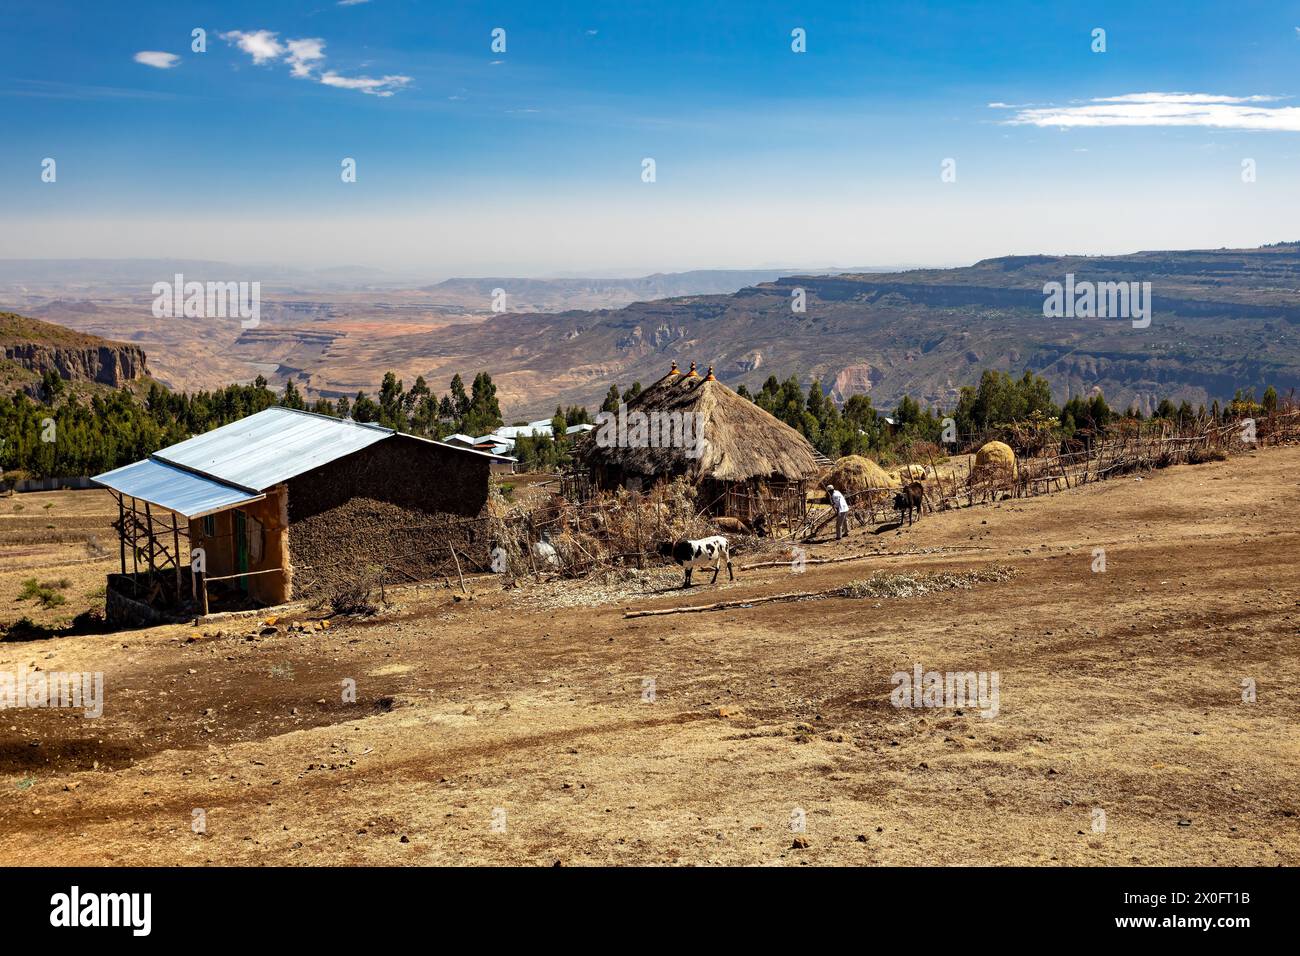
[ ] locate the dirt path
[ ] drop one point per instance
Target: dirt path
(1119, 692)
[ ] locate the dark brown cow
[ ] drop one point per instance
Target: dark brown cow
(909, 500)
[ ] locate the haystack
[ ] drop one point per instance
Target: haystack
(855, 473)
(995, 459)
(911, 472)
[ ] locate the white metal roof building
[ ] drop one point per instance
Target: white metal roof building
(286, 503)
(236, 463)
(532, 430)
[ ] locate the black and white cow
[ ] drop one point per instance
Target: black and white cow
(704, 553)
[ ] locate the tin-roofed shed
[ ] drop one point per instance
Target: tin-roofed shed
(286, 504)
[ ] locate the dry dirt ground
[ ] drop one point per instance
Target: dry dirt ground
(507, 730)
(64, 539)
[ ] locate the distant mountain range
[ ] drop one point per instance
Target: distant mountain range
(552, 295)
(60, 278)
(1221, 320)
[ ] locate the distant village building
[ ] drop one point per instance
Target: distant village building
(536, 429)
(748, 462)
(501, 442)
(286, 504)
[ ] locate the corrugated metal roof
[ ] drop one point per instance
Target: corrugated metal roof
(271, 446)
(532, 429)
(468, 451)
(174, 488)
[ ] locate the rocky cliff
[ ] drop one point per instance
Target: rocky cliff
(42, 347)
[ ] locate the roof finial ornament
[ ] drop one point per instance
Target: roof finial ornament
(674, 370)
(692, 373)
(709, 377)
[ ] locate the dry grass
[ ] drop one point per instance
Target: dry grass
(75, 549)
(612, 531)
(893, 585)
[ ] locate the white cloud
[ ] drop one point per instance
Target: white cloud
(304, 56)
(1183, 98)
(1164, 109)
(303, 53)
(163, 61)
(261, 45)
(383, 86)
(351, 3)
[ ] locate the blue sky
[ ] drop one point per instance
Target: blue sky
(471, 161)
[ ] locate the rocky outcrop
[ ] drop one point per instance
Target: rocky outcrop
(855, 380)
(113, 365)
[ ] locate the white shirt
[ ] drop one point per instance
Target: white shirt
(838, 501)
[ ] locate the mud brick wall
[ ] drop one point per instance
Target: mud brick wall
(396, 506)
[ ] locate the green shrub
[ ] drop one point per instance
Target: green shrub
(46, 593)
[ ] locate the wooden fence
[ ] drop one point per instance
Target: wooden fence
(955, 483)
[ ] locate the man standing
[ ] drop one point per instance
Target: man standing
(841, 511)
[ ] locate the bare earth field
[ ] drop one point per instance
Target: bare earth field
(1120, 691)
(55, 537)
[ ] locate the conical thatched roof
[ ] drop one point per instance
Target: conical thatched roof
(741, 441)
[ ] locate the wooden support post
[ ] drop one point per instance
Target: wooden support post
(176, 555)
(121, 533)
(463, 589)
(135, 551)
(148, 514)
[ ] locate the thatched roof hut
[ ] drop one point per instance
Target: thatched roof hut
(742, 458)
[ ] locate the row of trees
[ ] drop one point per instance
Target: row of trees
(63, 433)
(417, 411)
(998, 401)
(66, 434)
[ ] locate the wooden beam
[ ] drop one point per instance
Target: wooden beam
(148, 514)
(176, 545)
(135, 552)
(121, 532)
